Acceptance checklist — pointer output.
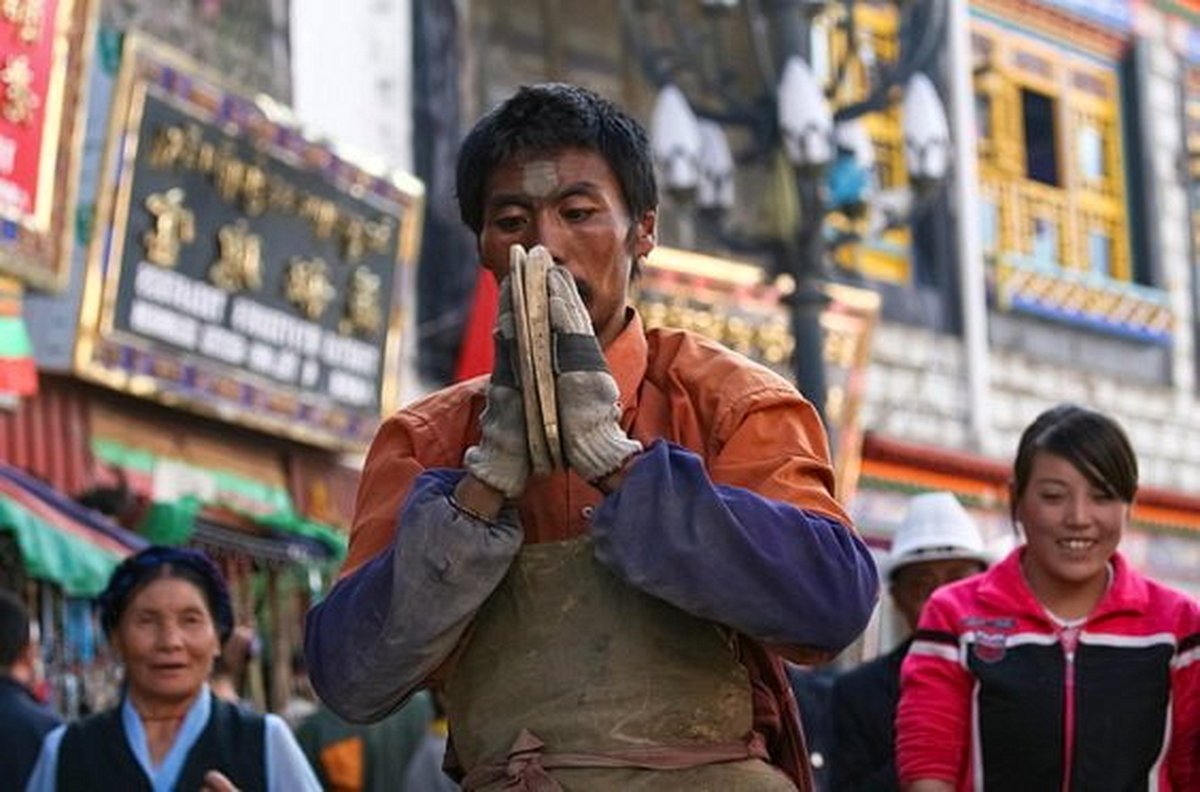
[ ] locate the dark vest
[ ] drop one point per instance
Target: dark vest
(95, 753)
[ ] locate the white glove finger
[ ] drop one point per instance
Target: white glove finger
(568, 314)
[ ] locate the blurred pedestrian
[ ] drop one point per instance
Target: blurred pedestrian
(813, 688)
(1061, 667)
(166, 612)
(425, 770)
(352, 757)
(937, 543)
(23, 720)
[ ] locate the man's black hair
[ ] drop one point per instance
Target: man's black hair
(544, 119)
(14, 628)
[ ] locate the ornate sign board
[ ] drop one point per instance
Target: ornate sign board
(238, 269)
(44, 49)
(729, 302)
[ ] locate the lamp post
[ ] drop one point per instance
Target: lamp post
(786, 125)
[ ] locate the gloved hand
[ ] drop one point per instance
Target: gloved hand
(594, 443)
(501, 460)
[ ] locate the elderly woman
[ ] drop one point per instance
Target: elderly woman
(166, 611)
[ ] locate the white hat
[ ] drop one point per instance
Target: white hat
(935, 528)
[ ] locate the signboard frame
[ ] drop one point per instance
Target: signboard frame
(110, 351)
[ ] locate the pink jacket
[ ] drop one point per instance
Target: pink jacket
(995, 694)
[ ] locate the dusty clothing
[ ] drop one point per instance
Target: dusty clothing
(727, 516)
(663, 690)
(997, 694)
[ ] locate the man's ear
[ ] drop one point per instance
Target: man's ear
(646, 231)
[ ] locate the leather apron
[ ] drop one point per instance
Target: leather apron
(573, 679)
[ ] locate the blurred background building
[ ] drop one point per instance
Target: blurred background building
(229, 242)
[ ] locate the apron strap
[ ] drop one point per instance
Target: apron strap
(527, 763)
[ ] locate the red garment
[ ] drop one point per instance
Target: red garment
(752, 428)
(475, 354)
(995, 690)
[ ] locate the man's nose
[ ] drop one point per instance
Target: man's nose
(548, 231)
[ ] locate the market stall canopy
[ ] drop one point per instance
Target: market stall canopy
(59, 540)
(281, 537)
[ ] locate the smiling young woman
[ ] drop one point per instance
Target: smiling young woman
(166, 611)
(1061, 667)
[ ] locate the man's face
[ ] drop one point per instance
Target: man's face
(569, 202)
(915, 583)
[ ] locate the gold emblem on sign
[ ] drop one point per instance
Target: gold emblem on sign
(361, 236)
(240, 264)
(26, 15)
(19, 99)
(306, 285)
(321, 213)
(364, 315)
(174, 226)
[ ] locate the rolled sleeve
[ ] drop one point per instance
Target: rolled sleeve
(385, 628)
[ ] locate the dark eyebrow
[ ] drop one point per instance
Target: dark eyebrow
(509, 199)
(578, 188)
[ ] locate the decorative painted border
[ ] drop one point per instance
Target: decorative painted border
(1084, 299)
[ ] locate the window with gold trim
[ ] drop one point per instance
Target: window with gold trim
(1049, 153)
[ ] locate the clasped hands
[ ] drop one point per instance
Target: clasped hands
(588, 414)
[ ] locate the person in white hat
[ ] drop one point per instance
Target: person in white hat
(937, 543)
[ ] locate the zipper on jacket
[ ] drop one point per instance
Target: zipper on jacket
(1068, 637)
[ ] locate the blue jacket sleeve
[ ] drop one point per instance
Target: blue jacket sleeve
(767, 569)
(385, 628)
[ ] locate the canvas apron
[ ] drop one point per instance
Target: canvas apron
(575, 680)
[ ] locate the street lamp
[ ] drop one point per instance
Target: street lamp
(787, 119)
(805, 120)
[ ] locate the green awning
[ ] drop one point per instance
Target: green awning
(175, 523)
(78, 566)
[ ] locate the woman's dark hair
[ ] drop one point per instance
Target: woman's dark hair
(1094, 443)
(155, 563)
(543, 119)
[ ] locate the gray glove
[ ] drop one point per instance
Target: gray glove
(501, 460)
(594, 443)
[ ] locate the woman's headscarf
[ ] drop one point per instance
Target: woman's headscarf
(146, 566)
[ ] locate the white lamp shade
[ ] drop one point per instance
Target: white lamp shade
(715, 188)
(805, 119)
(852, 136)
(675, 138)
(926, 131)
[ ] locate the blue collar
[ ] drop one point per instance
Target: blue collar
(164, 777)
